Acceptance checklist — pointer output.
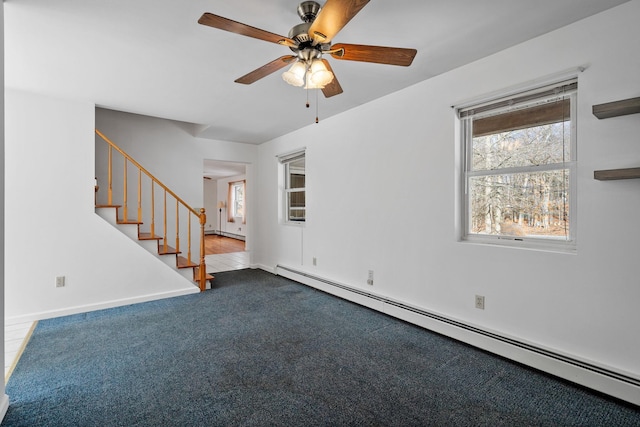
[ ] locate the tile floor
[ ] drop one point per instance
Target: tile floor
(226, 262)
(15, 335)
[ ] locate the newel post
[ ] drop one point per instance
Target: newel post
(202, 270)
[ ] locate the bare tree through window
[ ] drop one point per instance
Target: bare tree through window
(519, 162)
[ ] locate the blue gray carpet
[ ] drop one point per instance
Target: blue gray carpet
(263, 350)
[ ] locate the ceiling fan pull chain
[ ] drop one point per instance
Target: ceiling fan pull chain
(306, 81)
(317, 90)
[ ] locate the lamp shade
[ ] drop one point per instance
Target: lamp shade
(319, 75)
(311, 85)
(221, 204)
(295, 75)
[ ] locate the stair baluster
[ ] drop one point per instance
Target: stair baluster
(199, 269)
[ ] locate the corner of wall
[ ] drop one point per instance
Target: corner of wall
(4, 404)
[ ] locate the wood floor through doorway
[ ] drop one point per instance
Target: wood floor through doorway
(215, 244)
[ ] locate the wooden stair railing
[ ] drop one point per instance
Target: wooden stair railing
(200, 275)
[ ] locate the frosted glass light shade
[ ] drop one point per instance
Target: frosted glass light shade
(310, 84)
(320, 76)
(295, 75)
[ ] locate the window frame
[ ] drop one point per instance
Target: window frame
(235, 186)
(231, 213)
(290, 191)
(286, 161)
(503, 104)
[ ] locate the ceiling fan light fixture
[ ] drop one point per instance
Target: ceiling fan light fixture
(319, 75)
(311, 84)
(295, 76)
(309, 41)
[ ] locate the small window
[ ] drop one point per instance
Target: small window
(519, 156)
(294, 187)
(236, 201)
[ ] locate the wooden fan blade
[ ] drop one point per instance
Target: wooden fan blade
(333, 16)
(376, 54)
(226, 24)
(334, 87)
(266, 69)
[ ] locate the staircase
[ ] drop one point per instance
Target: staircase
(168, 212)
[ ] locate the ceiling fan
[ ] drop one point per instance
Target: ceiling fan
(309, 41)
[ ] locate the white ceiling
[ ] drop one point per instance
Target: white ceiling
(216, 169)
(151, 57)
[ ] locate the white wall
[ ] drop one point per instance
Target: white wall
(169, 150)
(381, 195)
(236, 227)
(210, 191)
(4, 400)
(53, 229)
(49, 204)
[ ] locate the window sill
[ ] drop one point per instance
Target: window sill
(522, 243)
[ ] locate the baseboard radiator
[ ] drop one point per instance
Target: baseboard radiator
(587, 374)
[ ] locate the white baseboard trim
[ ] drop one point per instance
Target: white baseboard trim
(272, 270)
(32, 317)
(4, 406)
(605, 379)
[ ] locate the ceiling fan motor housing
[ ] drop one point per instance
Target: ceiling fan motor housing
(306, 50)
(300, 33)
(308, 10)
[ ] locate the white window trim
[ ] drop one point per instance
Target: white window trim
(235, 185)
(284, 160)
(536, 243)
(288, 192)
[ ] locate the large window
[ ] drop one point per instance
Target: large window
(294, 186)
(519, 155)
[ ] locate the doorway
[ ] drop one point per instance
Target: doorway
(227, 205)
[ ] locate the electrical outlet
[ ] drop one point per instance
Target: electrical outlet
(60, 282)
(315, 261)
(480, 302)
(370, 279)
